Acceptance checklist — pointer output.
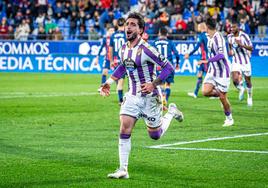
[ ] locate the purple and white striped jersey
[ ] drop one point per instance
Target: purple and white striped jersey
(241, 55)
(139, 62)
(219, 64)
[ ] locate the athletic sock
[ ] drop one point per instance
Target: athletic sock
(168, 91)
(198, 85)
(124, 148)
(228, 115)
(120, 95)
(166, 120)
(103, 79)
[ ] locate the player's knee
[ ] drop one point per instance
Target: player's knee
(155, 134)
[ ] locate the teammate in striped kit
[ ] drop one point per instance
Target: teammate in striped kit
(202, 43)
(116, 41)
(240, 48)
(167, 49)
(217, 80)
(139, 60)
(105, 44)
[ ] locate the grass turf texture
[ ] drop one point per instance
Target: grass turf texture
(56, 131)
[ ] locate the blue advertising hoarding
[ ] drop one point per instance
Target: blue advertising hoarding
(79, 57)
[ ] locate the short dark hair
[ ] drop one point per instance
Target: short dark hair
(120, 22)
(140, 19)
(163, 31)
(211, 23)
(234, 21)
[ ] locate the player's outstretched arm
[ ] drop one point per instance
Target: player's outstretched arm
(105, 88)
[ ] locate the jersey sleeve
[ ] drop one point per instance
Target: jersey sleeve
(246, 40)
(153, 56)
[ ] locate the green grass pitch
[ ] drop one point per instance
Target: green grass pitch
(56, 131)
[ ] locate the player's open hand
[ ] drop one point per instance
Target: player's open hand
(147, 88)
(238, 42)
(105, 90)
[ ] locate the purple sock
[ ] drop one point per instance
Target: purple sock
(155, 134)
(124, 136)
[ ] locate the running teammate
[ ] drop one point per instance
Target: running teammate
(241, 47)
(217, 79)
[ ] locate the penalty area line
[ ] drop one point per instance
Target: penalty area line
(215, 149)
(206, 140)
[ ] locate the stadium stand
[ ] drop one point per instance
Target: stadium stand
(87, 19)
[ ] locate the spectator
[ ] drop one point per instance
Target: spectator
(180, 22)
(22, 31)
(4, 29)
(50, 25)
(244, 25)
(262, 22)
(57, 35)
(232, 15)
(92, 34)
(10, 33)
(41, 33)
(190, 28)
(50, 11)
(252, 22)
(105, 17)
(180, 33)
(82, 33)
(73, 25)
(42, 6)
(170, 9)
(40, 20)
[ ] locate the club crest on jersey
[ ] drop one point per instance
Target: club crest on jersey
(130, 64)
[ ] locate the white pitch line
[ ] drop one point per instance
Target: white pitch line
(206, 140)
(215, 149)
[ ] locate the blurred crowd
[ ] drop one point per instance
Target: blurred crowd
(88, 19)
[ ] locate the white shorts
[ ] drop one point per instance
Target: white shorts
(147, 108)
(222, 84)
(245, 69)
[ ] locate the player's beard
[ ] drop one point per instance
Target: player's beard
(132, 37)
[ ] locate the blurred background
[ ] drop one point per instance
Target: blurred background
(87, 19)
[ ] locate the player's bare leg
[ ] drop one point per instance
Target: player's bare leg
(249, 90)
(209, 90)
(124, 146)
(198, 85)
(227, 109)
(238, 83)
